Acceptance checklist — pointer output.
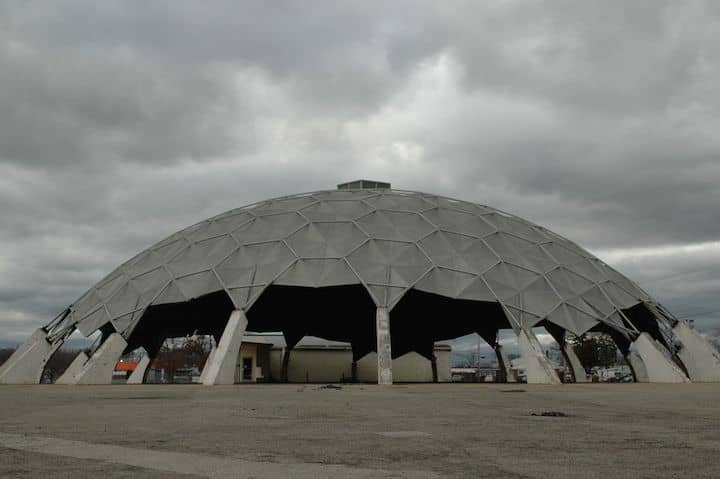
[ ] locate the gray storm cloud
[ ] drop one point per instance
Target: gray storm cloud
(122, 123)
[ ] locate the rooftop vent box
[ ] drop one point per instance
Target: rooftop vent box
(364, 185)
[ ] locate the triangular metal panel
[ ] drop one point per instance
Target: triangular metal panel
(399, 202)
(202, 255)
(254, 264)
(453, 204)
(198, 284)
(459, 252)
(526, 319)
(598, 301)
(221, 226)
(318, 273)
(508, 246)
(170, 294)
(535, 259)
(537, 298)
(110, 284)
(386, 296)
(477, 290)
(516, 227)
(563, 255)
(266, 228)
(168, 251)
(126, 323)
(375, 260)
(150, 284)
(623, 282)
(346, 195)
(579, 303)
(588, 269)
(282, 205)
(123, 301)
(87, 303)
(93, 321)
(567, 283)
(326, 240)
(458, 222)
(143, 263)
(395, 225)
(507, 280)
(336, 210)
(445, 282)
(619, 296)
(572, 319)
(616, 321)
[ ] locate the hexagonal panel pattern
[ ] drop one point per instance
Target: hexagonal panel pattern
(387, 240)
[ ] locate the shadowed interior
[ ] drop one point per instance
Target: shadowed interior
(337, 313)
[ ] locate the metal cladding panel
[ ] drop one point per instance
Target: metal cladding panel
(572, 319)
(459, 252)
(395, 225)
(318, 273)
(326, 240)
(390, 241)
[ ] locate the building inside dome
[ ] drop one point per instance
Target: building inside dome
(389, 272)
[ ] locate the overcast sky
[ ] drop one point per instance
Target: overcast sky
(122, 122)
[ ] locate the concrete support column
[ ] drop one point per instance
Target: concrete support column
(206, 367)
(504, 364)
(700, 359)
(433, 366)
(658, 367)
(285, 365)
(574, 363)
(384, 353)
(354, 371)
(638, 367)
(538, 369)
(138, 376)
(68, 376)
(26, 364)
(222, 364)
(99, 368)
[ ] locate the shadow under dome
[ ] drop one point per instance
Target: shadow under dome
(420, 319)
(207, 314)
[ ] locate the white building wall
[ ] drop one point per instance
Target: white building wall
(320, 366)
(334, 365)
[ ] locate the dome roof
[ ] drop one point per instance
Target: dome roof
(389, 241)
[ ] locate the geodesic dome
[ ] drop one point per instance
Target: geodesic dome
(393, 244)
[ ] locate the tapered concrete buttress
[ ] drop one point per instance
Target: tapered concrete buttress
(99, 368)
(538, 369)
(26, 364)
(658, 367)
(574, 362)
(222, 364)
(206, 367)
(638, 367)
(138, 376)
(700, 359)
(68, 376)
(504, 364)
(384, 352)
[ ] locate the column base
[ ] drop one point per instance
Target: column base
(537, 368)
(700, 359)
(138, 376)
(659, 368)
(68, 376)
(222, 363)
(99, 368)
(26, 364)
